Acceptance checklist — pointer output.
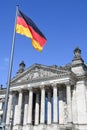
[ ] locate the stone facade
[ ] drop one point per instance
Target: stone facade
(48, 97)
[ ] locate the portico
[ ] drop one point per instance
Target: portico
(40, 105)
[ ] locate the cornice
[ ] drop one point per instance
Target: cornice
(47, 79)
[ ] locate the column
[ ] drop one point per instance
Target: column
(20, 98)
(25, 109)
(42, 114)
(55, 104)
(37, 109)
(49, 113)
(69, 109)
(9, 109)
(61, 106)
(30, 106)
(15, 108)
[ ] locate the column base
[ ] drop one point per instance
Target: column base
(54, 122)
(29, 127)
(17, 127)
(80, 127)
(53, 126)
(7, 126)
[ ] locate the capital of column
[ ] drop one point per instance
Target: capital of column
(69, 83)
(30, 89)
(42, 86)
(19, 90)
(54, 85)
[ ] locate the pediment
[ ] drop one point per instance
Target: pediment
(36, 72)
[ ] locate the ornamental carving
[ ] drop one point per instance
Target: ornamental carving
(37, 74)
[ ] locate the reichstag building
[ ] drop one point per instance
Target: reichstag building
(48, 97)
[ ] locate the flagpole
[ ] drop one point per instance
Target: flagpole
(9, 74)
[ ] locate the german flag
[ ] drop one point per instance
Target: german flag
(25, 26)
